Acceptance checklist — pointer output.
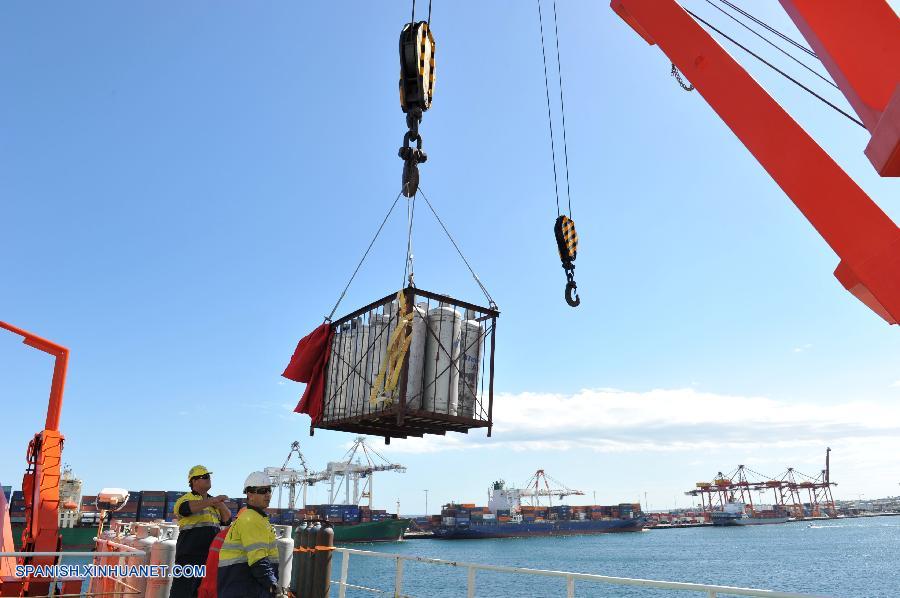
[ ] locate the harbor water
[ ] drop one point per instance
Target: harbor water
(849, 558)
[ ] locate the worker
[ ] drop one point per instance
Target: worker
(200, 516)
(248, 559)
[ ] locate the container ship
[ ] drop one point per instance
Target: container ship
(736, 513)
(506, 516)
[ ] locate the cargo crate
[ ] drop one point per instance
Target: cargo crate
(443, 384)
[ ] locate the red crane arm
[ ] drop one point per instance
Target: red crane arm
(859, 45)
(863, 236)
(40, 485)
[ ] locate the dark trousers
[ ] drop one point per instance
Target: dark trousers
(187, 587)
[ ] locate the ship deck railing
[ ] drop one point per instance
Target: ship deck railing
(567, 577)
(121, 588)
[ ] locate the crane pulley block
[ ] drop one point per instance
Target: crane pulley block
(416, 90)
(567, 244)
(416, 68)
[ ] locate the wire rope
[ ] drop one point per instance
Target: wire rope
(458, 250)
(776, 69)
(549, 114)
(378, 232)
(562, 109)
(774, 45)
(769, 27)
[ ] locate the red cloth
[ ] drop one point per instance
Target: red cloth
(308, 365)
(208, 587)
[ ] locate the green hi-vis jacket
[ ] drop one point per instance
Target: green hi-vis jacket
(248, 559)
(196, 530)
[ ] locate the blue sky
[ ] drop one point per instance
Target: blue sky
(186, 191)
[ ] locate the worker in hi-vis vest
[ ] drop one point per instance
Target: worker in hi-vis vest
(200, 516)
(248, 559)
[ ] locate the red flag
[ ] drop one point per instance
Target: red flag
(308, 365)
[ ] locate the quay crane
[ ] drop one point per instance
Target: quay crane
(538, 486)
(787, 490)
(287, 477)
(340, 475)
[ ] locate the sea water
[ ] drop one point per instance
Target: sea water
(847, 558)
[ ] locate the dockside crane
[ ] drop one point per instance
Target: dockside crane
(288, 477)
(538, 486)
(357, 468)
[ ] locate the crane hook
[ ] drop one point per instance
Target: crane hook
(572, 297)
(567, 244)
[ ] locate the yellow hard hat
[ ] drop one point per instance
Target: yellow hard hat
(197, 470)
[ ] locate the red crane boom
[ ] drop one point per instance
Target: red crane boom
(859, 58)
(40, 485)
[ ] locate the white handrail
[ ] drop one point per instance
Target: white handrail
(712, 591)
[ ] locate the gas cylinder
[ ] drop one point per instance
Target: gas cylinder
(417, 357)
(441, 381)
(162, 553)
(144, 542)
(285, 544)
(471, 334)
(359, 362)
(297, 564)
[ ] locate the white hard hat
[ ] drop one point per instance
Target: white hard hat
(257, 479)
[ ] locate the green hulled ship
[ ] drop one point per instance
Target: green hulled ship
(386, 530)
(73, 538)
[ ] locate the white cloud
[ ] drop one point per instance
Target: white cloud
(896, 384)
(802, 348)
(675, 420)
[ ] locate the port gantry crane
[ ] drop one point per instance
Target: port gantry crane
(788, 490)
(340, 475)
(288, 477)
(859, 45)
(357, 468)
(539, 486)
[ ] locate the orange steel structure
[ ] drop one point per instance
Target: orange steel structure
(40, 485)
(798, 494)
(859, 44)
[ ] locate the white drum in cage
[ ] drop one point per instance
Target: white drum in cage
(417, 357)
(337, 387)
(358, 384)
(471, 335)
(382, 328)
(441, 382)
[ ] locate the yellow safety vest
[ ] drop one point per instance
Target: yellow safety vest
(249, 539)
(206, 517)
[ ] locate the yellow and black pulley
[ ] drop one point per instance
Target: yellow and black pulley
(567, 243)
(416, 92)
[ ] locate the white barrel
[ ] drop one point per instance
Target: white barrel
(382, 328)
(470, 337)
(162, 553)
(441, 383)
(417, 357)
(285, 543)
(336, 387)
(358, 384)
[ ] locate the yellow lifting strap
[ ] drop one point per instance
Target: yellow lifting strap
(392, 365)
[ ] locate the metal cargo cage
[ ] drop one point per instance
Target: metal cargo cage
(410, 364)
